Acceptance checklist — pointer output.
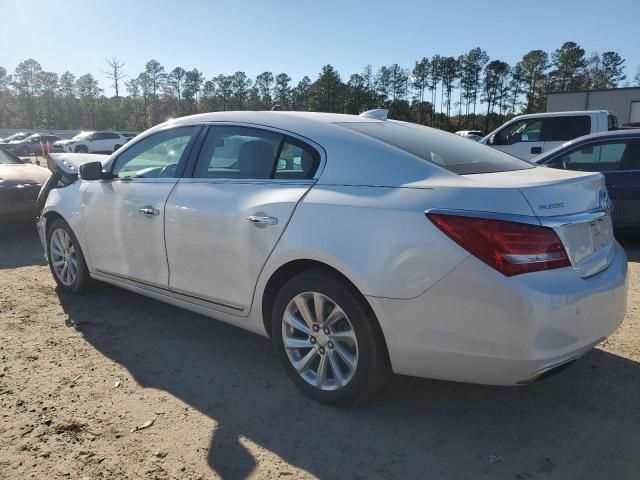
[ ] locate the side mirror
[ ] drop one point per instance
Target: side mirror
(91, 171)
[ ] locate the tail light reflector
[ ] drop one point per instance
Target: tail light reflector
(511, 248)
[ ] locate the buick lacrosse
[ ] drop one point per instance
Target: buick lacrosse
(360, 245)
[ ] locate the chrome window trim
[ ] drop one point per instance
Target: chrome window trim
(319, 148)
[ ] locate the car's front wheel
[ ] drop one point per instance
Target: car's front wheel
(66, 261)
(327, 339)
(81, 149)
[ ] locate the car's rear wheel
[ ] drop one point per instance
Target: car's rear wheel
(66, 261)
(81, 149)
(327, 339)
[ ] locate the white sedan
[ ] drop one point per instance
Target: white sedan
(360, 245)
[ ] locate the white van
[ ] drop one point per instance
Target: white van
(527, 136)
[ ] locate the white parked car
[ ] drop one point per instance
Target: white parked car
(91, 142)
(527, 136)
(360, 245)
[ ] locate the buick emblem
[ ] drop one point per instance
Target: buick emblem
(605, 203)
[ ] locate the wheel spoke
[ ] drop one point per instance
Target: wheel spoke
(297, 324)
(321, 374)
(335, 368)
(56, 242)
(346, 336)
(348, 358)
(290, 342)
(335, 315)
(58, 263)
(303, 309)
(318, 304)
(302, 364)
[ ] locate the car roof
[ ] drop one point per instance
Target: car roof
(299, 122)
(562, 114)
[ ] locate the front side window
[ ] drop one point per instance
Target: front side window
(7, 159)
(238, 152)
(529, 130)
(603, 157)
(156, 156)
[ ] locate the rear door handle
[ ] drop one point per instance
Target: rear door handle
(263, 220)
(149, 211)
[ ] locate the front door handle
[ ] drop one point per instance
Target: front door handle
(263, 220)
(149, 211)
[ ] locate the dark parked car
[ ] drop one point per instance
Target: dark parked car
(617, 155)
(15, 137)
(20, 184)
(32, 144)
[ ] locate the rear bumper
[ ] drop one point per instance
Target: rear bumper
(478, 326)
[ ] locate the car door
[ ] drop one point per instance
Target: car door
(522, 138)
(224, 221)
(124, 216)
(619, 160)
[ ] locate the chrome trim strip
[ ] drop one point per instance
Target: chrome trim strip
(573, 218)
(551, 222)
(507, 217)
(178, 294)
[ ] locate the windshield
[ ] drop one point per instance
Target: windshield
(81, 135)
(7, 159)
(452, 152)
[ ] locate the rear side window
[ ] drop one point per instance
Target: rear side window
(452, 152)
(603, 157)
(561, 129)
(296, 160)
(251, 153)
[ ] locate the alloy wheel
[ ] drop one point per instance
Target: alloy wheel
(320, 341)
(64, 259)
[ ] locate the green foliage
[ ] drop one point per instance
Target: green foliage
(426, 94)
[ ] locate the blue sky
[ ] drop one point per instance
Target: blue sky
(299, 37)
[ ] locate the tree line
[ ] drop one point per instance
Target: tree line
(471, 91)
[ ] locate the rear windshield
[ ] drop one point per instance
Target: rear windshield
(452, 152)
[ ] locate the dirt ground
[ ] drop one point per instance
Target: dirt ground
(114, 385)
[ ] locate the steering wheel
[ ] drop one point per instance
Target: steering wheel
(168, 171)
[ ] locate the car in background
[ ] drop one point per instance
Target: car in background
(20, 183)
(359, 244)
(128, 135)
(16, 136)
(32, 145)
(615, 154)
(91, 142)
(475, 135)
(527, 136)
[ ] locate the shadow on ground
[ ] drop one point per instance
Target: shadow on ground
(583, 423)
(20, 248)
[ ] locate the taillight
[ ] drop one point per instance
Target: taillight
(511, 248)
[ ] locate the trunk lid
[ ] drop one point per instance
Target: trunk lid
(575, 204)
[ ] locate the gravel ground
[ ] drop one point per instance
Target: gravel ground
(115, 385)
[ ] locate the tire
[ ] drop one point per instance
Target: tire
(116, 148)
(358, 325)
(81, 149)
(69, 253)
